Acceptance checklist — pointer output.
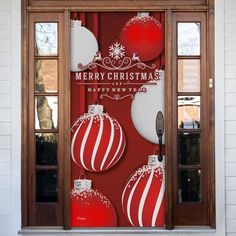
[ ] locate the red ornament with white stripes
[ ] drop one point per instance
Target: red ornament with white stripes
(143, 199)
(98, 140)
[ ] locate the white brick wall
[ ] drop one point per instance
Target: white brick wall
(230, 115)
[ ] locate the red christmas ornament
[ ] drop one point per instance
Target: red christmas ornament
(89, 208)
(143, 35)
(98, 140)
(143, 198)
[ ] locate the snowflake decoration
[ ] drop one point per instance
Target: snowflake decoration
(116, 51)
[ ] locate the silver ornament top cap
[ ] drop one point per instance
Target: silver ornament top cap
(95, 109)
(82, 184)
(142, 14)
(154, 162)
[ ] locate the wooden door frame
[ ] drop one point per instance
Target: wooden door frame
(113, 6)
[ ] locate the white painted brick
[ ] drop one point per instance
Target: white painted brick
(230, 43)
(230, 99)
(230, 127)
(230, 4)
(230, 71)
(5, 195)
(5, 31)
(5, 222)
(5, 87)
(5, 73)
(5, 45)
(230, 30)
(230, 57)
(231, 225)
(5, 208)
(230, 169)
(231, 184)
(5, 156)
(5, 59)
(5, 17)
(5, 114)
(231, 211)
(231, 198)
(5, 142)
(5, 5)
(230, 85)
(5, 169)
(230, 16)
(5, 181)
(5, 101)
(5, 128)
(230, 155)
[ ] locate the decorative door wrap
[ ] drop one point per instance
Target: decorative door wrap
(117, 89)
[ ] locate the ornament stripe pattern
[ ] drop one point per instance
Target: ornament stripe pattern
(109, 145)
(98, 142)
(130, 199)
(143, 198)
(84, 141)
(159, 201)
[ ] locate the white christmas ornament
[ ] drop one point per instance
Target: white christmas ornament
(84, 45)
(145, 107)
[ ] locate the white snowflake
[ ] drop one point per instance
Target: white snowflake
(116, 51)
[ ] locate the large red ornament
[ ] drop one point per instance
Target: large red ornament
(89, 208)
(143, 198)
(98, 140)
(143, 35)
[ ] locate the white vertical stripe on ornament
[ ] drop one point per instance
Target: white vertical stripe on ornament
(84, 142)
(143, 198)
(159, 199)
(130, 198)
(110, 143)
(118, 149)
(97, 143)
(73, 143)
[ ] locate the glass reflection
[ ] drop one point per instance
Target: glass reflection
(46, 112)
(189, 75)
(189, 149)
(189, 112)
(46, 38)
(189, 186)
(189, 39)
(46, 186)
(46, 76)
(46, 148)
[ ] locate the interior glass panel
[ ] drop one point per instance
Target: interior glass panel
(188, 112)
(46, 148)
(46, 76)
(46, 186)
(189, 38)
(46, 39)
(188, 149)
(46, 112)
(189, 75)
(189, 186)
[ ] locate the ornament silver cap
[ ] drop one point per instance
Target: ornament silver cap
(82, 184)
(142, 14)
(154, 162)
(95, 109)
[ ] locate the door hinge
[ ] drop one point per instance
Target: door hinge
(211, 83)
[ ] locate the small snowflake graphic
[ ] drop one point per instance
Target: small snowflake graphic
(116, 51)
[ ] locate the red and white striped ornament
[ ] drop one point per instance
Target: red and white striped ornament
(143, 199)
(98, 141)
